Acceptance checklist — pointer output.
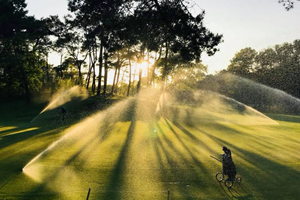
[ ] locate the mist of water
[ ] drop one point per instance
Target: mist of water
(63, 96)
(103, 140)
(85, 142)
(259, 96)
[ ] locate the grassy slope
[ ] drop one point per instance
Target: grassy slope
(126, 156)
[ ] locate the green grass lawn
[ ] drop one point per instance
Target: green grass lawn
(125, 152)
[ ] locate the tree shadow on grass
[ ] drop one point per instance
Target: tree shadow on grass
(118, 173)
(185, 170)
(105, 127)
(171, 170)
(195, 160)
(179, 173)
(19, 115)
(106, 123)
(268, 177)
(7, 140)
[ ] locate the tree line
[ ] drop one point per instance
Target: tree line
(277, 67)
(99, 35)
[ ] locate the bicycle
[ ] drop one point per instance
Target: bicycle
(228, 183)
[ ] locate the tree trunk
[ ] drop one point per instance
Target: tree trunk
(79, 73)
(154, 65)
(142, 52)
(105, 71)
(129, 82)
(100, 68)
(166, 62)
(122, 79)
(113, 85)
(88, 77)
(152, 74)
(79, 64)
(140, 80)
(89, 72)
(94, 78)
(118, 77)
(148, 68)
(61, 58)
(116, 71)
(94, 60)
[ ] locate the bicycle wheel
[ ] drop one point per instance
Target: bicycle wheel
(220, 176)
(228, 183)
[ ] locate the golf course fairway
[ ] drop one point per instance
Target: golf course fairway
(128, 152)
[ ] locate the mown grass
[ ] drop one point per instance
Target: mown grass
(125, 152)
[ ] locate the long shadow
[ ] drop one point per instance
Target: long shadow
(269, 176)
(157, 143)
(4, 132)
(182, 177)
(266, 164)
(25, 132)
(192, 136)
(93, 142)
(12, 139)
(173, 174)
(170, 171)
(24, 113)
(190, 121)
(267, 168)
(184, 145)
(117, 178)
(103, 134)
(171, 146)
(262, 141)
(15, 138)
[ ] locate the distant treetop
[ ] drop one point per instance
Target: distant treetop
(288, 4)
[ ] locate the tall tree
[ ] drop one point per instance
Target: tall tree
(102, 19)
(23, 46)
(277, 67)
(243, 62)
(72, 40)
(172, 26)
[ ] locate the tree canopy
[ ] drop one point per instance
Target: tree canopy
(288, 4)
(99, 33)
(23, 43)
(277, 67)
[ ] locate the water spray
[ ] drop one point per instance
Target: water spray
(45, 109)
(42, 153)
(35, 117)
(61, 98)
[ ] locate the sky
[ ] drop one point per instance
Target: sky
(258, 24)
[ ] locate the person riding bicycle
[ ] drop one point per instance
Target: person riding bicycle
(228, 165)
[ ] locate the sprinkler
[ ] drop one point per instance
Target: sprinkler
(35, 117)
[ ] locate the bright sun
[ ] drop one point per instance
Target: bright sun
(143, 65)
